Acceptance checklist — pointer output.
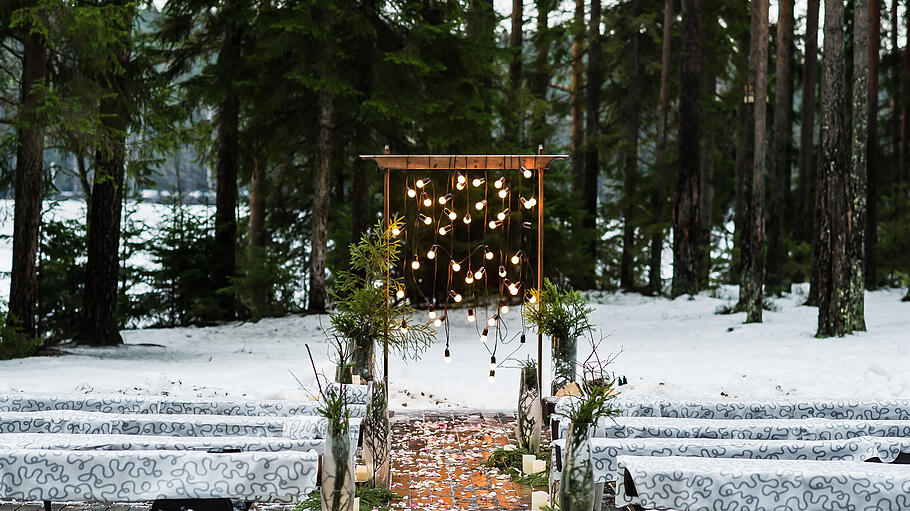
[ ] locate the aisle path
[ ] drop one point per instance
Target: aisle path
(437, 462)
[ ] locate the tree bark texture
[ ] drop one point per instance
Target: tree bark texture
(856, 192)
(658, 200)
(592, 145)
(319, 236)
(806, 179)
(630, 165)
(874, 147)
(577, 86)
(539, 81)
(513, 118)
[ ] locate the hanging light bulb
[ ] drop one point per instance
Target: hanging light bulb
(460, 179)
(425, 219)
(438, 321)
(404, 327)
(502, 271)
(492, 376)
(526, 172)
(503, 193)
(530, 297)
(427, 201)
(456, 266)
(396, 231)
(502, 214)
(516, 258)
(513, 289)
(445, 229)
(487, 254)
(494, 224)
(478, 181)
(479, 273)
(399, 294)
(459, 186)
(503, 306)
(479, 205)
(526, 225)
(493, 362)
(530, 203)
(483, 335)
(522, 339)
(423, 182)
(491, 321)
(466, 218)
(455, 296)
(431, 254)
(471, 316)
(415, 264)
(449, 213)
(498, 183)
(469, 278)
(431, 312)
(445, 198)
(448, 357)
(412, 192)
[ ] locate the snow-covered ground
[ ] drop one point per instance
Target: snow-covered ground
(669, 348)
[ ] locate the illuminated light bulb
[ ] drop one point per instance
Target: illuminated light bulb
(412, 192)
(425, 219)
(531, 298)
(503, 193)
(526, 172)
(523, 339)
(480, 204)
(493, 362)
(503, 309)
(466, 218)
(477, 181)
(526, 225)
(499, 182)
(471, 316)
(513, 289)
(479, 273)
(492, 376)
(431, 254)
(404, 327)
(502, 271)
(516, 258)
(445, 198)
(461, 179)
(445, 229)
(491, 321)
(399, 294)
(449, 213)
(469, 278)
(423, 182)
(530, 203)
(431, 312)
(415, 264)
(455, 295)
(448, 357)
(437, 322)
(494, 224)
(456, 266)
(502, 214)
(483, 335)
(459, 186)
(396, 231)
(486, 253)
(427, 201)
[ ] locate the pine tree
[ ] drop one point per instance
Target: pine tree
(631, 120)
(856, 192)
(658, 200)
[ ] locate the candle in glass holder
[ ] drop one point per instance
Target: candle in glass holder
(356, 503)
(538, 466)
(362, 474)
(539, 500)
(355, 379)
(527, 463)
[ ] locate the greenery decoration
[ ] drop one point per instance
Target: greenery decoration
(559, 314)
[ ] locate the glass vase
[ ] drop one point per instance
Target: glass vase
(337, 481)
(377, 438)
(576, 487)
(530, 414)
(564, 354)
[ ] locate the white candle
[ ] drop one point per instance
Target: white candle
(539, 500)
(362, 474)
(509, 447)
(538, 466)
(355, 379)
(356, 503)
(527, 463)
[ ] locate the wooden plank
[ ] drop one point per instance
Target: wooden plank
(32, 506)
(463, 161)
(9, 506)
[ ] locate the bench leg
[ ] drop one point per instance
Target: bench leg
(47, 505)
(598, 496)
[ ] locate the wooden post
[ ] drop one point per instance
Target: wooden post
(388, 278)
(540, 267)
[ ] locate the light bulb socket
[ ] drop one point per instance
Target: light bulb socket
(522, 339)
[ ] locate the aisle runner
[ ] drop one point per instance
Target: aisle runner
(437, 464)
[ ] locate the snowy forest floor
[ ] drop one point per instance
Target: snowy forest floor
(679, 348)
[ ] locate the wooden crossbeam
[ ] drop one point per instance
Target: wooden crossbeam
(463, 161)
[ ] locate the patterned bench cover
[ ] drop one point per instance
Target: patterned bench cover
(754, 429)
(95, 442)
(774, 408)
(28, 402)
(605, 451)
(760, 485)
(112, 476)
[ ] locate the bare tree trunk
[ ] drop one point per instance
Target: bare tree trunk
(630, 166)
(750, 289)
(577, 85)
(833, 267)
(708, 157)
(513, 117)
(686, 214)
(258, 193)
(745, 161)
(539, 81)
(893, 101)
(29, 187)
(808, 180)
(903, 173)
(856, 191)
(319, 236)
(102, 269)
(874, 151)
(592, 145)
(780, 177)
(658, 200)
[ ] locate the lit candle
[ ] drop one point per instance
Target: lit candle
(509, 447)
(527, 463)
(539, 500)
(356, 503)
(538, 466)
(362, 474)
(355, 379)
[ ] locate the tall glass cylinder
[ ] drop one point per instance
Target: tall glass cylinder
(377, 438)
(337, 481)
(564, 354)
(576, 488)
(530, 414)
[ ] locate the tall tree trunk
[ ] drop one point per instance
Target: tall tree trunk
(226, 168)
(658, 200)
(513, 118)
(686, 214)
(806, 222)
(630, 166)
(577, 85)
(903, 172)
(258, 193)
(856, 190)
(706, 193)
(319, 236)
(102, 268)
(780, 176)
(745, 160)
(750, 289)
(874, 148)
(833, 267)
(894, 100)
(592, 144)
(29, 187)
(539, 81)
